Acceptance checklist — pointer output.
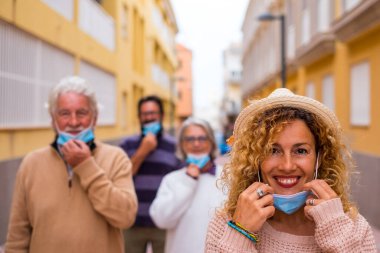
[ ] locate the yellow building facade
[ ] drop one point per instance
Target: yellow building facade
(138, 61)
(332, 55)
(124, 48)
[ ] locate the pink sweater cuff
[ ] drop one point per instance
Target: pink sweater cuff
(232, 239)
(327, 211)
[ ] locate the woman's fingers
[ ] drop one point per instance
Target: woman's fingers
(321, 193)
(320, 189)
(256, 191)
(311, 201)
(254, 206)
(269, 211)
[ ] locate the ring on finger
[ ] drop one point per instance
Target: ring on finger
(311, 202)
(260, 192)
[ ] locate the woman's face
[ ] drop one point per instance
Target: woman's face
(195, 141)
(292, 161)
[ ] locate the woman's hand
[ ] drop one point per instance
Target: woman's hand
(254, 206)
(193, 171)
(321, 192)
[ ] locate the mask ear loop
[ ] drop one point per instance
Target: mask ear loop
(316, 167)
(258, 175)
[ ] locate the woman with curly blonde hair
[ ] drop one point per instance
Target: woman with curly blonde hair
(287, 183)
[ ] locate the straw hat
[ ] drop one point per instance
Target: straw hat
(285, 98)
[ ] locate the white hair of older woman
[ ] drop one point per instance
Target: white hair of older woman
(191, 121)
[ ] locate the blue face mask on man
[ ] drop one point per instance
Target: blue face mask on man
(153, 127)
(199, 160)
(85, 135)
(291, 203)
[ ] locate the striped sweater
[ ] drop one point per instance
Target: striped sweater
(147, 180)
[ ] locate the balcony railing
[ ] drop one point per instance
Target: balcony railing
(166, 35)
(161, 77)
(94, 21)
(65, 8)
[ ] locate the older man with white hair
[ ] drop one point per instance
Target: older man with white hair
(77, 194)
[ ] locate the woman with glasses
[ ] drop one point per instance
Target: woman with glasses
(187, 198)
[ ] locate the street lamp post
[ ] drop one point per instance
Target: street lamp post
(271, 17)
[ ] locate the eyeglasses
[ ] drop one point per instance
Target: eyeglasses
(193, 139)
(149, 113)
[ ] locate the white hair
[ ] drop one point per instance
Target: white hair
(191, 121)
(74, 84)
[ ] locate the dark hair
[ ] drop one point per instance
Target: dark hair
(151, 98)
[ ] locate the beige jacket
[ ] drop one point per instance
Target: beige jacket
(49, 216)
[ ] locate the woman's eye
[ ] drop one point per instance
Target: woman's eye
(301, 151)
(275, 151)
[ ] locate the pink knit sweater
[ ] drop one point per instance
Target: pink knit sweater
(334, 232)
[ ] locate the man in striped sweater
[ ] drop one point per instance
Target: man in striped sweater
(153, 155)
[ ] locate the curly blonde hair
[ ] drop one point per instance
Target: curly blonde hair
(255, 144)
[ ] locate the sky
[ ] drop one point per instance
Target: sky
(207, 27)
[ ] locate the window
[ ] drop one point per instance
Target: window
(65, 8)
(360, 95)
(29, 68)
(328, 92)
(291, 35)
(323, 15)
(180, 64)
(305, 25)
(310, 90)
(104, 85)
(349, 4)
(124, 22)
(180, 95)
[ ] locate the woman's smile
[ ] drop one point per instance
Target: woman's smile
(287, 181)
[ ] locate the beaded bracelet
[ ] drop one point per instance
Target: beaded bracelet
(238, 227)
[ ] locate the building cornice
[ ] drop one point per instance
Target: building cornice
(361, 18)
(320, 45)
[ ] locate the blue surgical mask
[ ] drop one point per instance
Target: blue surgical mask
(199, 160)
(153, 127)
(85, 135)
(290, 203)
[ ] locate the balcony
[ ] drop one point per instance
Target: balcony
(64, 8)
(94, 21)
(321, 45)
(160, 76)
(361, 18)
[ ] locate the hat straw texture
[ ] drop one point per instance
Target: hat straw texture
(283, 97)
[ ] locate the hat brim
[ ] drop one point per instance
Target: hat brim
(308, 104)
